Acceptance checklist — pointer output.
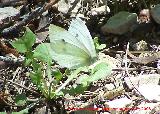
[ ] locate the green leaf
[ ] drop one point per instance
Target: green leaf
(36, 77)
(29, 58)
(26, 42)
(101, 46)
(58, 75)
(59, 94)
(21, 99)
(98, 45)
(27, 61)
(36, 66)
(70, 78)
(42, 52)
(38, 80)
(96, 42)
(79, 89)
(100, 71)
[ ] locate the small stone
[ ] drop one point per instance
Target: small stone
(120, 23)
(117, 105)
(109, 86)
(140, 46)
(142, 79)
(8, 12)
(100, 10)
(150, 91)
(63, 6)
(144, 16)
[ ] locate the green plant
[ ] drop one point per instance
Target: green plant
(73, 49)
(98, 45)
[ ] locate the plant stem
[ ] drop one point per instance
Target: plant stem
(71, 77)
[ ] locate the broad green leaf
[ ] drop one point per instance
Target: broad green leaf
(24, 111)
(21, 99)
(120, 18)
(100, 71)
(42, 52)
(26, 42)
(68, 55)
(82, 85)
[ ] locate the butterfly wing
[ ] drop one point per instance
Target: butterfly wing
(68, 55)
(72, 48)
(58, 33)
(79, 30)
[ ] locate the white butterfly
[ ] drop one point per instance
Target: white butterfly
(73, 48)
